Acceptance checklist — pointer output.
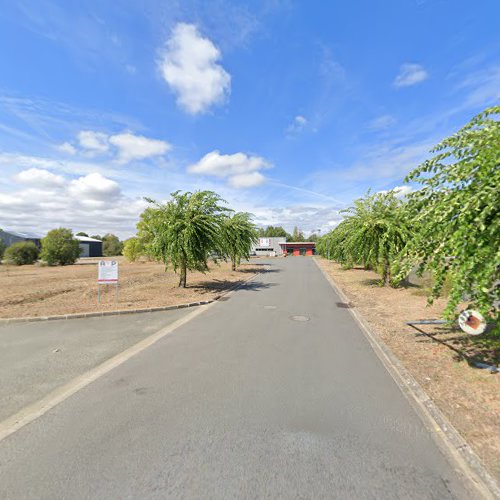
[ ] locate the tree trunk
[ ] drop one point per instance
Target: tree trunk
(386, 276)
(182, 281)
(233, 263)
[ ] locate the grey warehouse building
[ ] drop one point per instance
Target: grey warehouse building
(11, 237)
(90, 247)
(268, 246)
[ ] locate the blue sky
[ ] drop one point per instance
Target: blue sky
(288, 109)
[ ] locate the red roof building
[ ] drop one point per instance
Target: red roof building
(299, 248)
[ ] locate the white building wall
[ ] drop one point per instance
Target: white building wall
(268, 246)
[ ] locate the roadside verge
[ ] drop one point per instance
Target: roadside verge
(443, 432)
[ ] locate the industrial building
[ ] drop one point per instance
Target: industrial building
(273, 247)
(270, 247)
(11, 237)
(296, 248)
(89, 247)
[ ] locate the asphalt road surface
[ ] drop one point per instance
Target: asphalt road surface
(243, 401)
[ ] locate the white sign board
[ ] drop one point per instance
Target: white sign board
(107, 271)
(264, 242)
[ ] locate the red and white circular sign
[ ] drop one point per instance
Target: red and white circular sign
(472, 322)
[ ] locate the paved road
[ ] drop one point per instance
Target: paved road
(36, 358)
(241, 402)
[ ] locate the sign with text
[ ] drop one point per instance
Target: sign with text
(107, 271)
(264, 242)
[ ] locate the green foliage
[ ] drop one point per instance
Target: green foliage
(81, 233)
(373, 234)
(184, 231)
(238, 234)
(59, 247)
(24, 252)
(457, 212)
(96, 237)
(313, 237)
(274, 232)
(111, 245)
(297, 235)
(133, 249)
(3, 246)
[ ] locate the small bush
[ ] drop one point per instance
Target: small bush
(22, 253)
(3, 246)
(133, 249)
(111, 245)
(60, 248)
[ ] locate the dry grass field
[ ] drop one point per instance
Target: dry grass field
(441, 359)
(28, 291)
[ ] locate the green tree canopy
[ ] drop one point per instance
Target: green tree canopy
(111, 245)
(133, 249)
(374, 233)
(184, 231)
(81, 233)
(59, 247)
(238, 235)
(457, 211)
(274, 232)
(297, 235)
(22, 253)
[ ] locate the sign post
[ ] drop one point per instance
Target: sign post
(107, 274)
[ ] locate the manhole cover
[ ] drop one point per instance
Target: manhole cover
(299, 318)
(269, 307)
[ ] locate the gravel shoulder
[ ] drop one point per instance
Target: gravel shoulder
(437, 356)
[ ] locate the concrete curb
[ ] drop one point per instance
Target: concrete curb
(443, 432)
(95, 314)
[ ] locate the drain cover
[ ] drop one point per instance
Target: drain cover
(299, 318)
(269, 307)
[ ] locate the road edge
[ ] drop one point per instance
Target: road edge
(35, 410)
(443, 432)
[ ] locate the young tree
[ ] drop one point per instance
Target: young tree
(457, 210)
(374, 232)
(22, 253)
(184, 231)
(59, 247)
(133, 249)
(297, 235)
(111, 245)
(238, 235)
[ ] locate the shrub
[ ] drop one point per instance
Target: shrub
(3, 246)
(111, 245)
(133, 249)
(59, 247)
(24, 252)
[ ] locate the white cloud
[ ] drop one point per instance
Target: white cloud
(189, 65)
(95, 187)
(39, 178)
(399, 191)
(298, 124)
(94, 142)
(136, 147)
(382, 122)
(241, 181)
(240, 169)
(410, 74)
(67, 148)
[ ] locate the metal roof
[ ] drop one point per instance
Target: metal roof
(86, 238)
(25, 234)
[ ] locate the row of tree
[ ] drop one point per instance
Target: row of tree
(59, 247)
(450, 226)
(189, 230)
(280, 232)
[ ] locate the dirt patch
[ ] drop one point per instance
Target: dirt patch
(29, 291)
(440, 358)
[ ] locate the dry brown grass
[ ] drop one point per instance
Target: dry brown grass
(28, 291)
(440, 358)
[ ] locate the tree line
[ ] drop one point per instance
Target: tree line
(449, 226)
